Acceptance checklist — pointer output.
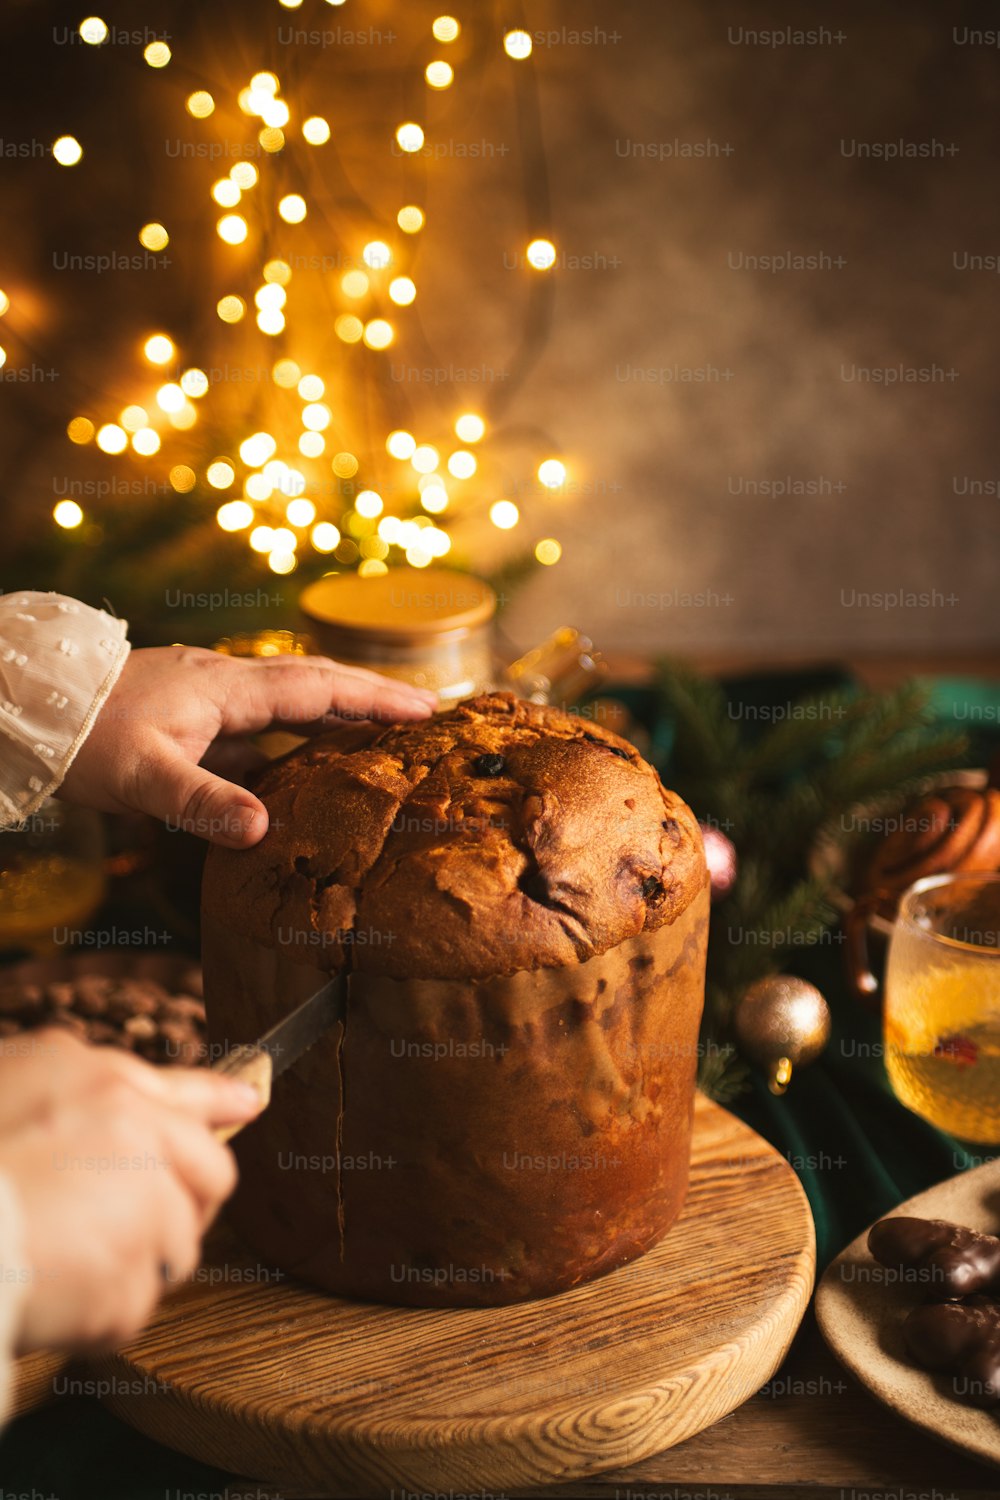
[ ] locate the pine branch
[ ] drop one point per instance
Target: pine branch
(705, 736)
(722, 1074)
(810, 727)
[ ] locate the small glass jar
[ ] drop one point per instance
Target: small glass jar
(432, 627)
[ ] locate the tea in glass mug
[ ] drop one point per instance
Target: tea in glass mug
(942, 1004)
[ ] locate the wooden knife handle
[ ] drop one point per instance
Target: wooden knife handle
(250, 1064)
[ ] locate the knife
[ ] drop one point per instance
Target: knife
(260, 1063)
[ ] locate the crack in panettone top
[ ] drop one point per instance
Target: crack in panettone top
(495, 837)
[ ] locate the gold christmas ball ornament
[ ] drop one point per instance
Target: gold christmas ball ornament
(782, 1023)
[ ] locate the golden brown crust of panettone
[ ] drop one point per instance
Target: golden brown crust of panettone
(389, 851)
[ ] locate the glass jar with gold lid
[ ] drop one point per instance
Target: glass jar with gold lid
(432, 627)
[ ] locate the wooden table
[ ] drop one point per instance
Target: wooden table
(819, 1436)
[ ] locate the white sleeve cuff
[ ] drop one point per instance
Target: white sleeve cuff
(59, 660)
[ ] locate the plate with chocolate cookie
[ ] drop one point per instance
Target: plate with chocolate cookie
(912, 1308)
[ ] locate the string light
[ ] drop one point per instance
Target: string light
(364, 535)
(410, 137)
(200, 104)
(234, 515)
(434, 498)
(158, 349)
(437, 542)
(548, 551)
(231, 309)
(541, 255)
(183, 416)
(324, 536)
(194, 383)
(255, 451)
(300, 512)
(446, 29)
(4, 303)
(232, 228)
(111, 438)
(67, 513)
(286, 373)
(504, 514)
(439, 75)
(182, 478)
(276, 113)
(470, 427)
(410, 219)
(154, 237)
(462, 465)
(425, 459)
(378, 334)
(316, 416)
(400, 444)
(552, 473)
(134, 417)
(368, 504)
(349, 328)
(220, 474)
(354, 284)
(67, 150)
(226, 194)
(95, 33)
(517, 44)
(292, 208)
(377, 255)
(402, 291)
(261, 538)
(169, 398)
(270, 295)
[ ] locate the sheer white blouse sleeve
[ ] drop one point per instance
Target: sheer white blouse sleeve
(59, 660)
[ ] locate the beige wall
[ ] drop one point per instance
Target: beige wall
(666, 469)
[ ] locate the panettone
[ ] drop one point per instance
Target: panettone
(522, 912)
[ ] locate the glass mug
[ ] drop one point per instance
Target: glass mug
(942, 1004)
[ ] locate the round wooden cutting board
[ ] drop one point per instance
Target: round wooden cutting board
(312, 1394)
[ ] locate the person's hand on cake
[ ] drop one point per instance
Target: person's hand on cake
(109, 1176)
(83, 717)
(172, 703)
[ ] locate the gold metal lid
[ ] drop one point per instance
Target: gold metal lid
(400, 606)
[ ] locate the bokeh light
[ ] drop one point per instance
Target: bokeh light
(67, 513)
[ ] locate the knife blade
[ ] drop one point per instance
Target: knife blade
(259, 1063)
